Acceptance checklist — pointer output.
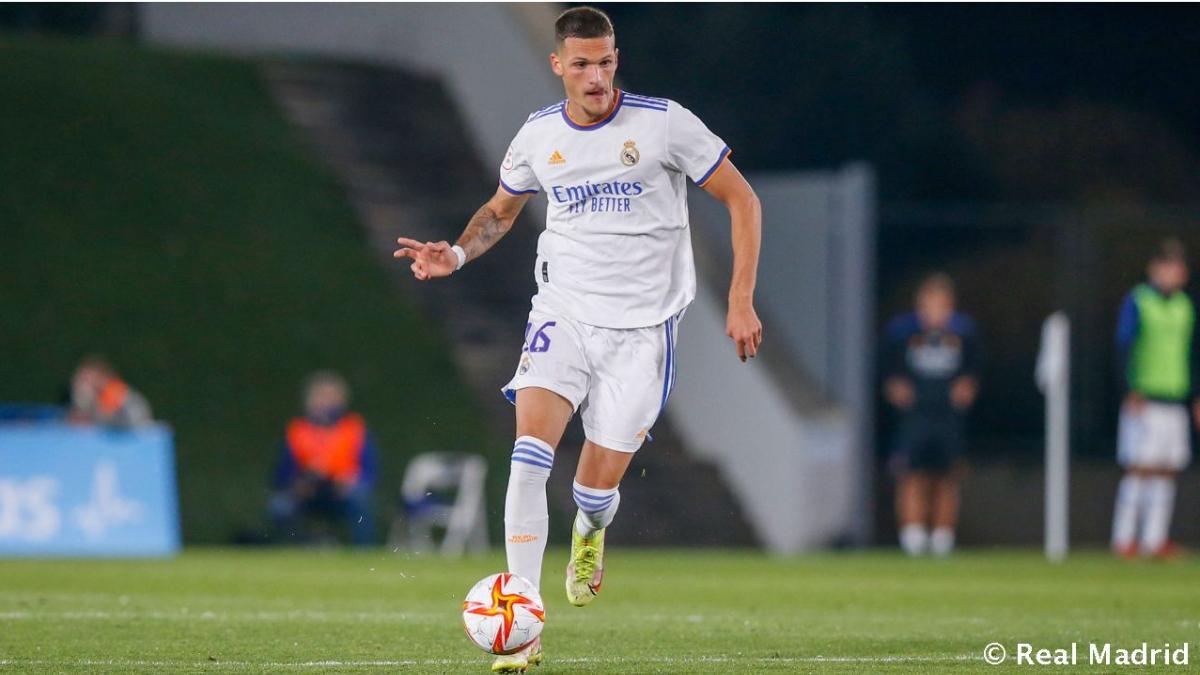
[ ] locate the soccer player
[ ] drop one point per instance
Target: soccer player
(931, 370)
(614, 272)
(1155, 348)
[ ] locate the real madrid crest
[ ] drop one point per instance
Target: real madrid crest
(630, 154)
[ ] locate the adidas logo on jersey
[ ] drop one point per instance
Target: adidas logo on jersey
(557, 158)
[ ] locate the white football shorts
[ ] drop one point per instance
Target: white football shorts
(1155, 438)
(617, 378)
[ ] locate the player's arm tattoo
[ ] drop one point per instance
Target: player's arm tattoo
(484, 229)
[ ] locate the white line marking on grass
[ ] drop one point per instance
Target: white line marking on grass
(417, 663)
(199, 616)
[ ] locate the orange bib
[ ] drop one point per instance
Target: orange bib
(333, 452)
(112, 397)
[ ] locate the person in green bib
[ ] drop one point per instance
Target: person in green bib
(1157, 371)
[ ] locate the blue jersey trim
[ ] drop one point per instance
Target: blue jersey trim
(546, 112)
(713, 169)
(515, 192)
(592, 127)
(632, 104)
(650, 99)
(669, 371)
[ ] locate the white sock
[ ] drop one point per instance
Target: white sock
(941, 542)
(1125, 512)
(526, 518)
(1159, 503)
(913, 539)
(597, 507)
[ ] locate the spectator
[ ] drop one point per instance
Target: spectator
(931, 371)
(1155, 344)
(100, 396)
(327, 463)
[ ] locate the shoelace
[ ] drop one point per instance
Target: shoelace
(585, 563)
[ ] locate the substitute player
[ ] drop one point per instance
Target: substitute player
(614, 272)
(931, 377)
(1156, 349)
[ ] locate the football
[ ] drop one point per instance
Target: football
(503, 613)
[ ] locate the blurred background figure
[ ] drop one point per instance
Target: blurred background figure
(931, 372)
(1157, 371)
(327, 465)
(100, 396)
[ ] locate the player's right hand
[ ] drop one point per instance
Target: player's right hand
(430, 260)
(900, 392)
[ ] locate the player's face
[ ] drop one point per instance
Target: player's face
(1169, 275)
(324, 401)
(89, 377)
(587, 67)
(934, 308)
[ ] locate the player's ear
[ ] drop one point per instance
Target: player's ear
(556, 64)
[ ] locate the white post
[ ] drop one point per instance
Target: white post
(1054, 378)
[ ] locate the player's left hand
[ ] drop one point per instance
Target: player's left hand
(744, 328)
(962, 392)
(430, 260)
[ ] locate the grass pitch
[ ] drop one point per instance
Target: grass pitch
(661, 611)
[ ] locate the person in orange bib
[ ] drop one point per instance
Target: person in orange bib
(99, 396)
(326, 465)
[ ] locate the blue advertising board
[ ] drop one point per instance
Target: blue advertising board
(83, 491)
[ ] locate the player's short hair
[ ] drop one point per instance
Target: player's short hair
(326, 378)
(938, 282)
(1170, 250)
(582, 22)
(97, 363)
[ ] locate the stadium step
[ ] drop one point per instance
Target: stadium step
(400, 150)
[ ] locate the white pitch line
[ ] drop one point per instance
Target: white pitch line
(413, 663)
(204, 615)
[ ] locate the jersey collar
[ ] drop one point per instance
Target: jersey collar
(592, 126)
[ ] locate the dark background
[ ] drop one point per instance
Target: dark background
(1035, 152)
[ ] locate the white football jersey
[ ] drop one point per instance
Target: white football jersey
(617, 250)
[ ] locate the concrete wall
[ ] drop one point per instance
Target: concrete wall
(791, 471)
(489, 55)
(790, 431)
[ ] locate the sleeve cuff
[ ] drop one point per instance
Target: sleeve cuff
(712, 170)
(513, 191)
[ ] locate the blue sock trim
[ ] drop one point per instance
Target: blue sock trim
(592, 500)
(534, 452)
(532, 462)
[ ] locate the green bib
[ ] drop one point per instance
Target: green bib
(1158, 366)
